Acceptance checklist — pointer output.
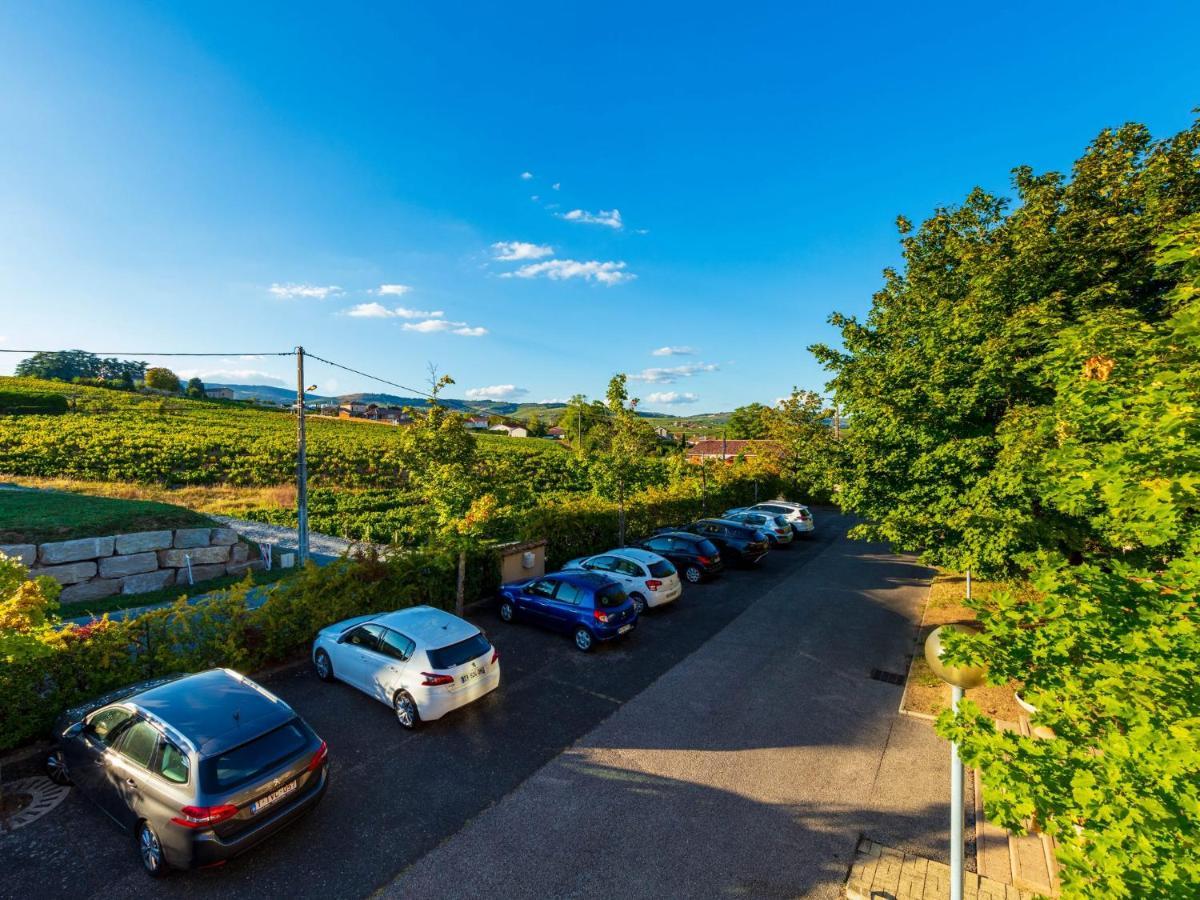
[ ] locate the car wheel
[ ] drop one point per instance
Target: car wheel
(323, 665)
(507, 613)
(693, 574)
(56, 768)
(406, 709)
(150, 851)
(639, 603)
(583, 639)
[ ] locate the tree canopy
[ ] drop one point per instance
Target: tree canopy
(71, 365)
(1026, 401)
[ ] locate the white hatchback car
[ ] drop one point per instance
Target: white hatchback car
(646, 577)
(796, 513)
(422, 662)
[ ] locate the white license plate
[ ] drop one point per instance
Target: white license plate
(474, 673)
(624, 628)
(273, 797)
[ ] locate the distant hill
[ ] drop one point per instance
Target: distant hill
(546, 411)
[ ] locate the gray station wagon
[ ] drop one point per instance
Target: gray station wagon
(198, 768)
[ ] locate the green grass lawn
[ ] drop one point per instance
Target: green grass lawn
(168, 594)
(33, 517)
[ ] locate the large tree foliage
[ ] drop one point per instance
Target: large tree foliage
(808, 450)
(1026, 399)
(749, 422)
(956, 344)
(70, 365)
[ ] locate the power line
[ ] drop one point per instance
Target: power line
(145, 353)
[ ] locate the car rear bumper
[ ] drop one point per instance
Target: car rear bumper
(207, 848)
(610, 632)
(803, 527)
(662, 598)
(436, 704)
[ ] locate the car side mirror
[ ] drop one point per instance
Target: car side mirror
(75, 730)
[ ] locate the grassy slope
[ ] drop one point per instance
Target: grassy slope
(37, 516)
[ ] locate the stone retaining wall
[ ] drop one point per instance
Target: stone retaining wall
(90, 568)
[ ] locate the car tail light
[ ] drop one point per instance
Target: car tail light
(653, 584)
(433, 680)
(599, 616)
(495, 656)
(319, 757)
(703, 560)
(204, 816)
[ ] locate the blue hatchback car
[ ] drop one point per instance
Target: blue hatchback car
(585, 605)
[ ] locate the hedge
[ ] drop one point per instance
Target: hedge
(27, 403)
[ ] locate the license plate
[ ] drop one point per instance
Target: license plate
(474, 673)
(273, 797)
(624, 628)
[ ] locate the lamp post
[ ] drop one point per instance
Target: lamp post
(960, 678)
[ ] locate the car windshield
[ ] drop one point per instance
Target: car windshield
(457, 654)
(611, 596)
(249, 761)
(706, 548)
(661, 569)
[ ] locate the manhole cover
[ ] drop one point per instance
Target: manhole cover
(887, 677)
(34, 798)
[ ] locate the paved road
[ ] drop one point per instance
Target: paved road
(739, 760)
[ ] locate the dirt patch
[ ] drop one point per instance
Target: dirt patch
(927, 694)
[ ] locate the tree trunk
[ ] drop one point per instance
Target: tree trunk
(461, 592)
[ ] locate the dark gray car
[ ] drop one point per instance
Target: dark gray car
(198, 768)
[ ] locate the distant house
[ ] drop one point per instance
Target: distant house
(663, 434)
(556, 433)
(218, 393)
(476, 423)
(352, 410)
(729, 450)
(511, 430)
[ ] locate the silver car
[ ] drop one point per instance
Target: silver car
(777, 529)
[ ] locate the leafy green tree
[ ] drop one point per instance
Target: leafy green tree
(630, 440)
(750, 422)
(161, 379)
(808, 452)
(70, 365)
(535, 426)
(195, 389)
(587, 424)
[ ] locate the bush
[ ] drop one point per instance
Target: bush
(31, 403)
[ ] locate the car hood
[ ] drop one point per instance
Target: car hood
(332, 631)
(576, 563)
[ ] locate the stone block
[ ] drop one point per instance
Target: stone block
(200, 556)
(26, 553)
(142, 541)
(71, 573)
(90, 590)
(223, 536)
(133, 564)
(148, 581)
(192, 537)
(202, 573)
(73, 551)
(239, 553)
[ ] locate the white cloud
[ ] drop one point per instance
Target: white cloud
(496, 392)
(535, 198)
(674, 351)
(232, 376)
(379, 311)
(606, 273)
(641, 231)
(555, 186)
(672, 374)
(510, 251)
(434, 326)
(525, 176)
(393, 290)
(672, 397)
(609, 217)
(292, 291)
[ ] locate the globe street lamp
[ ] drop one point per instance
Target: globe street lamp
(960, 678)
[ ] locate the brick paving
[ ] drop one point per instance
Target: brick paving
(881, 873)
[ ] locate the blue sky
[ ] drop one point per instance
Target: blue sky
(710, 178)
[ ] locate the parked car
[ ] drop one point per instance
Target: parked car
(777, 528)
(799, 515)
(647, 578)
(587, 605)
(422, 662)
(735, 540)
(694, 556)
(199, 768)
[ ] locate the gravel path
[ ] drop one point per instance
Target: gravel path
(322, 547)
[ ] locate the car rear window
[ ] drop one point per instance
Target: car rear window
(251, 760)
(661, 569)
(706, 548)
(457, 654)
(611, 596)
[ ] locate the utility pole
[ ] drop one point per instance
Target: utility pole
(301, 462)
(724, 443)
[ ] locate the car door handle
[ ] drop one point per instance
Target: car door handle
(131, 782)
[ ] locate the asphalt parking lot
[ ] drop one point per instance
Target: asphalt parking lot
(396, 795)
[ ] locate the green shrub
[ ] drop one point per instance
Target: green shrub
(31, 403)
